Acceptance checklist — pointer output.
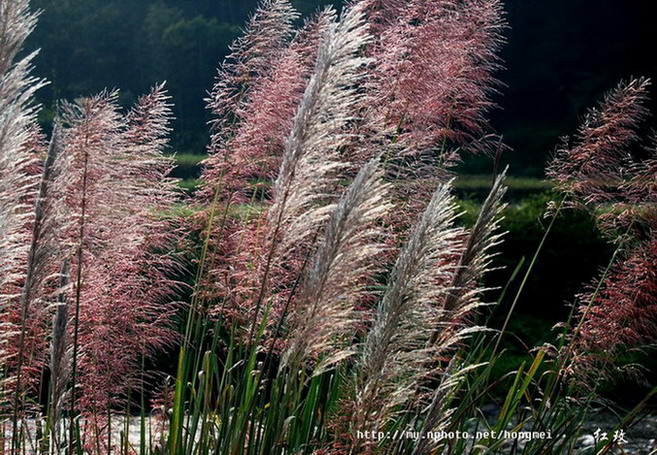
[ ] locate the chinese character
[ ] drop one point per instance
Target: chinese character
(619, 437)
(600, 435)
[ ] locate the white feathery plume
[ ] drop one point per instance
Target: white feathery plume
(326, 310)
(17, 131)
(464, 298)
(307, 175)
(310, 160)
(20, 142)
(395, 351)
(474, 263)
(17, 23)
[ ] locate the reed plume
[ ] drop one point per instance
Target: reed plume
(308, 163)
(474, 262)
(17, 160)
(602, 172)
(252, 56)
(35, 296)
(434, 75)
(380, 14)
(591, 170)
(454, 321)
(430, 89)
(617, 315)
(248, 160)
(255, 52)
(426, 315)
(89, 135)
(308, 173)
(17, 24)
(397, 347)
(326, 309)
(21, 142)
(114, 187)
(251, 61)
(641, 187)
(252, 154)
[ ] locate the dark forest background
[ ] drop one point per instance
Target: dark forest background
(561, 56)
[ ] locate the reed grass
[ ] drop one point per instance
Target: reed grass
(334, 306)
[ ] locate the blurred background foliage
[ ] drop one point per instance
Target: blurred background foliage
(560, 56)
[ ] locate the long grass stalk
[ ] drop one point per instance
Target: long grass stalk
(192, 332)
(81, 234)
(34, 267)
(59, 357)
(527, 274)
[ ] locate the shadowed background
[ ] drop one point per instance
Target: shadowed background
(560, 57)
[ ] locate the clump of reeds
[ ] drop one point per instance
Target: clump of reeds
(335, 291)
(112, 180)
(603, 172)
(86, 262)
(295, 272)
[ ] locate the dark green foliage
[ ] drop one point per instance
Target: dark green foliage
(92, 44)
(561, 55)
